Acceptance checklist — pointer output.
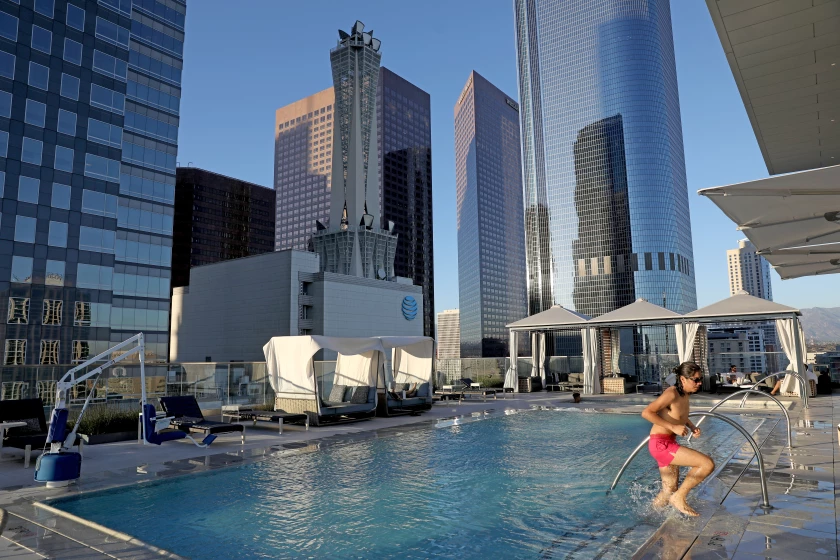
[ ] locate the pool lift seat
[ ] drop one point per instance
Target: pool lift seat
(59, 466)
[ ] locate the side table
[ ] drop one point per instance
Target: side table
(5, 426)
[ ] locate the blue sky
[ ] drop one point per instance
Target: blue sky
(240, 65)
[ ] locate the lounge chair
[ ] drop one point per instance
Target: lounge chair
(34, 434)
(401, 399)
(278, 417)
(473, 389)
(187, 416)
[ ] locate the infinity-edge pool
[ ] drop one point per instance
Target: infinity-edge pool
(524, 485)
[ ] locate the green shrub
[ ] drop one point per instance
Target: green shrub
(104, 419)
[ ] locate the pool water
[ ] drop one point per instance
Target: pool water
(526, 485)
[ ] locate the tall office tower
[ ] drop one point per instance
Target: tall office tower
(218, 218)
(89, 101)
(748, 271)
(303, 173)
(405, 161)
(606, 206)
(302, 168)
(449, 335)
(491, 232)
(354, 244)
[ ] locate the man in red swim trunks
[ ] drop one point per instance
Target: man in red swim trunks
(669, 416)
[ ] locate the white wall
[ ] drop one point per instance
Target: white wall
(234, 307)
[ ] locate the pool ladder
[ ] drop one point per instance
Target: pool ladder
(765, 500)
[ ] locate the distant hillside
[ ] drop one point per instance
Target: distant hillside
(822, 324)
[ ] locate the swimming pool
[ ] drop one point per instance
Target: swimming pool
(524, 485)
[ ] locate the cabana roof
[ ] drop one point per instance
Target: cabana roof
(555, 316)
(741, 306)
(640, 312)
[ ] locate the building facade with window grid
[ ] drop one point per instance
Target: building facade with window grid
(218, 218)
(491, 230)
(89, 104)
(303, 170)
(603, 162)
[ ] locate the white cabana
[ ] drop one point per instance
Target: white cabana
(290, 365)
(537, 324)
(591, 362)
(793, 220)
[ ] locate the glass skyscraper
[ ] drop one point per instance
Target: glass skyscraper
(491, 233)
(606, 206)
(89, 104)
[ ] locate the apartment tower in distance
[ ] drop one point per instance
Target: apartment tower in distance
(491, 233)
(748, 271)
(606, 206)
(303, 175)
(218, 218)
(89, 105)
(448, 335)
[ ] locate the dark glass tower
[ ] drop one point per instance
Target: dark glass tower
(491, 232)
(218, 218)
(604, 172)
(405, 152)
(89, 103)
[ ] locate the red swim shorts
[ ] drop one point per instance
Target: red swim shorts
(663, 447)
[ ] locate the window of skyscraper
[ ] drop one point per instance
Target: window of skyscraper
(75, 17)
(39, 76)
(8, 26)
(41, 39)
(49, 352)
(55, 273)
(70, 86)
(18, 311)
(110, 66)
(32, 151)
(60, 196)
(64, 159)
(4, 143)
(107, 99)
(112, 32)
(28, 189)
(36, 113)
(15, 353)
(102, 168)
(94, 276)
(66, 122)
(5, 104)
(58, 234)
(45, 7)
(99, 203)
(52, 312)
(25, 229)
(7, 65)
(72, 51)
(21, 269)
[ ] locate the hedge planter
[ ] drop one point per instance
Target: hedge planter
(108, 438)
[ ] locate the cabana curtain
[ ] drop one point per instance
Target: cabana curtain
(511, 381)
(413, 363)
(538, 355)
(615, 350)
(686, 332)
(591, 362)
(785, 328)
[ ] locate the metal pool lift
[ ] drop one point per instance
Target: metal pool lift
(59, 466)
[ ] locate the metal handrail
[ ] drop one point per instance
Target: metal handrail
(766, 500)
(747, 392)
(803, 386)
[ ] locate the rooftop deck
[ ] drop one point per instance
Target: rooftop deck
(803, 523)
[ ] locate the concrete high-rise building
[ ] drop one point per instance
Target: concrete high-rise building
(748, 271)
(606, 205)
(218, 218)
(303, 174)
(89, 114)
(302, 168)
(354, 243)
(405, 154)
(448, 335)
(491, 231)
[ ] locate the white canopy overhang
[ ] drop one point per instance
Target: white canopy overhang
(290, 361)
(549, 319)
(793, 220)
